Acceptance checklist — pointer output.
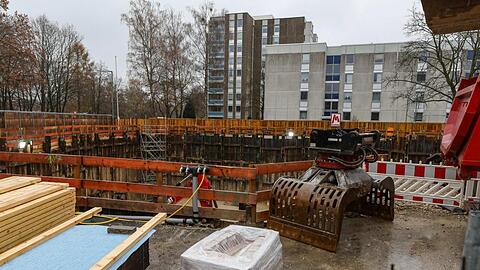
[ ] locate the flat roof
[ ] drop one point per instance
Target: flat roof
(342, 49)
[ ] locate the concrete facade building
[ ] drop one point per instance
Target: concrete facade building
(312, 81)
(237, 60)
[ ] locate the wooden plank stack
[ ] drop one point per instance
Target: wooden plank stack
(29, 207)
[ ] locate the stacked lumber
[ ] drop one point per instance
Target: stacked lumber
(29, 207)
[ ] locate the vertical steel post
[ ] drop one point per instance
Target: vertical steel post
(195, 196)
(471, 249)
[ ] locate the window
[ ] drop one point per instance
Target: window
(421, 76)
(333, 59)
(470, 55)
(333, 68)
(331, 106)
(303, 115)
(276, 40)
(349, 59)
(376, 97)
(264, 40)
(238, 109)
(239, 96)
(304, 77)
(377, 77)
(378, 58)
(264, 29)
(418, 117)
(239, 36)
(231, 48)
(239, 48)
(231, 23)
(347, 97)
(420, 97)
(422, 56)
(332, 78)
(375, 116)
(346, 115)
(276, 29)
(239, 73)
(305, 58)
(239, 60)
(331, 90)
(230, 96)
(303, 95)
(231, 61)
(348, 78)
(240, 23)
(230, 109)
(232, 36)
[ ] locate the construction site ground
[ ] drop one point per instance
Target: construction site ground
(421, 237)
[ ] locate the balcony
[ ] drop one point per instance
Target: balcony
(216, 66)
(218, 55)
(215, 90)
(215, 102)
(215, 114)
(215, 79)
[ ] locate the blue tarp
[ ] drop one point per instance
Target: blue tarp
(77, 248)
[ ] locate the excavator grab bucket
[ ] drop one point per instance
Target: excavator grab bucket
(313, 213)
(309, 213)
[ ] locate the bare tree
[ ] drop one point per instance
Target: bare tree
(18, 71)
(442, 56)
(179, 65)
(201, 38)
(55, 53)
(146, 46)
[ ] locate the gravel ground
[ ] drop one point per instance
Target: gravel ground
(420, 237)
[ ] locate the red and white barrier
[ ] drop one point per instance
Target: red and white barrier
(432, 184)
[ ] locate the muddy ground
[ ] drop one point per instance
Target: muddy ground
(421, 237)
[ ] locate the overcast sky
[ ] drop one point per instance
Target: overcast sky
(336, 22)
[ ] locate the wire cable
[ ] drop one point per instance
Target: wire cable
(189, 199)
(112, 219)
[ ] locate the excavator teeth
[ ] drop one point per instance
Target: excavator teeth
(309, 213)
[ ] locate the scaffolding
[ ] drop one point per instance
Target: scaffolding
(153, 146)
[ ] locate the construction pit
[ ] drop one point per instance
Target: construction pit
(420, 237)
(109, 168)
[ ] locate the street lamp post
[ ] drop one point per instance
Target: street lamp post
(112, 85)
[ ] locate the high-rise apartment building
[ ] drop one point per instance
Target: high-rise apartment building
(312, 81)
(237, 60)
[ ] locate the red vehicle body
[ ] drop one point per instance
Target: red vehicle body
(460, 145)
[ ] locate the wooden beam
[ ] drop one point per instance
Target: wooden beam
(148, 207)
(294, 166)
(109, 259)
(163, 190)
(45, 236)
(446, 16)
(241, 173)
(16, 182)
(29, 193)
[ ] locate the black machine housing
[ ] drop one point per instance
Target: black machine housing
(342, 141)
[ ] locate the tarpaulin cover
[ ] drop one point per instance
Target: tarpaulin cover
(235, 247)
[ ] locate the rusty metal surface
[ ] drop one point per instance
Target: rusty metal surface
(311, 210)
(309, 213)
(380, 201)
